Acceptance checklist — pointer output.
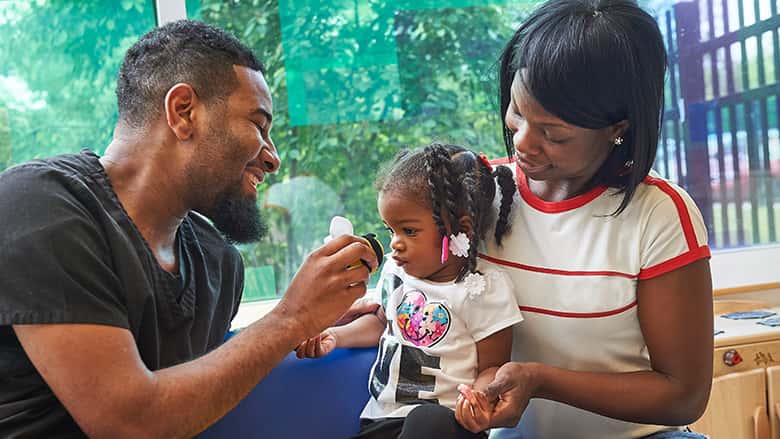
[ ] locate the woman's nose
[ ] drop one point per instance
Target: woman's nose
(523, 141)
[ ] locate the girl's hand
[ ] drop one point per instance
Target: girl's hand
(317, 346)
(473, 410)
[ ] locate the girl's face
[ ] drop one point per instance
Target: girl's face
(549, 149)
(416, 241)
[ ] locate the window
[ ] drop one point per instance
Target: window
(58, 67)
(355, 81)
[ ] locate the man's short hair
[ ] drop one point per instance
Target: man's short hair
(182, 51)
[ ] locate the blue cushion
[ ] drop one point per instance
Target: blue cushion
(319, 398)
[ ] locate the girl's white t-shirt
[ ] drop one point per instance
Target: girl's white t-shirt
(430, 343)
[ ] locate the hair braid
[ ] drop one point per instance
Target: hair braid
(451, 186)
(470, 186)
(503, 175)
(434, 163)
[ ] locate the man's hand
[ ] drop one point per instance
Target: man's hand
(324, 287)
(512, 388)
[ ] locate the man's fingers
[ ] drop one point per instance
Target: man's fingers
(352, 251)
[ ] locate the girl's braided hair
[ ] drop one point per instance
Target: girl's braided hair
(453, 182)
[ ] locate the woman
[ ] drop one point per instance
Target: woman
(610, 262)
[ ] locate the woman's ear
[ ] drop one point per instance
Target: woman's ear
(618, 129)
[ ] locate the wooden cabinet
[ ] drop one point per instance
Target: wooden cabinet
(773, 397)
(745, 398)
(735, 400)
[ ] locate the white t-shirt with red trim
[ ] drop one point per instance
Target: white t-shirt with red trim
(575, 270)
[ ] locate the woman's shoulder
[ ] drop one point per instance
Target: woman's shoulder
(657, 193)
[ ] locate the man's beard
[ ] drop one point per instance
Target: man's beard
(237, 217)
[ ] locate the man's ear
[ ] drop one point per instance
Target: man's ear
(180, 102)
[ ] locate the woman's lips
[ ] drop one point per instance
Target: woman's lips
(529, 167)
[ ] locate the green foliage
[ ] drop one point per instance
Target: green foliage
(371, 79)
(367, 77)
(58, 71)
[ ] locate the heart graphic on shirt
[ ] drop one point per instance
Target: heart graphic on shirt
(422, 323)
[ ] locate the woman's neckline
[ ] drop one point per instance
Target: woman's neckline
(554, 206)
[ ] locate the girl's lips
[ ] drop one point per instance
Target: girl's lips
(399, 262)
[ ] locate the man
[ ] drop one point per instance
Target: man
(115, 295)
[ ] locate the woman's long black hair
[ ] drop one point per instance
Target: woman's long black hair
(593, 63)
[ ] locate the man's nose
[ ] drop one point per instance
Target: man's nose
(269, 157)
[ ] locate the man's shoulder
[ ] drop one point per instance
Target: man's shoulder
(56, 170)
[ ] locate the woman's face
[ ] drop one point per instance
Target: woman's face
(549, 149)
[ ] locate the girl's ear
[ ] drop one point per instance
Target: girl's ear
(466, 225)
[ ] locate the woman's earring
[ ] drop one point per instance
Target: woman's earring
(618, 141)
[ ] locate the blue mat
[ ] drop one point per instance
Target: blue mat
(319, 398)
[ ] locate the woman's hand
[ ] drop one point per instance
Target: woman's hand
(512, 388)
(317, 346)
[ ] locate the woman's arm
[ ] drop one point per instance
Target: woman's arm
(675, 314)
(362, 332)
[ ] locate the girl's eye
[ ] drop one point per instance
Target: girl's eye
(410, 232)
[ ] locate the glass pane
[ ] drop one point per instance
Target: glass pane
(58, 67)
(354, 81)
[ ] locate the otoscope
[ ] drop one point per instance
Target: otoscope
(341, 226)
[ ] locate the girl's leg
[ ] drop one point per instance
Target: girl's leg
(388, 428)
(435, 421)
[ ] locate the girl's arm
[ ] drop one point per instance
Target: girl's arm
(675, 314)
(359, 333)
(474, 411)
(492, 353)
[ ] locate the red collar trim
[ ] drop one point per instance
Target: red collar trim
(554, 206)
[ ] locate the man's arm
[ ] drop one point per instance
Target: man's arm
(97, 373)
